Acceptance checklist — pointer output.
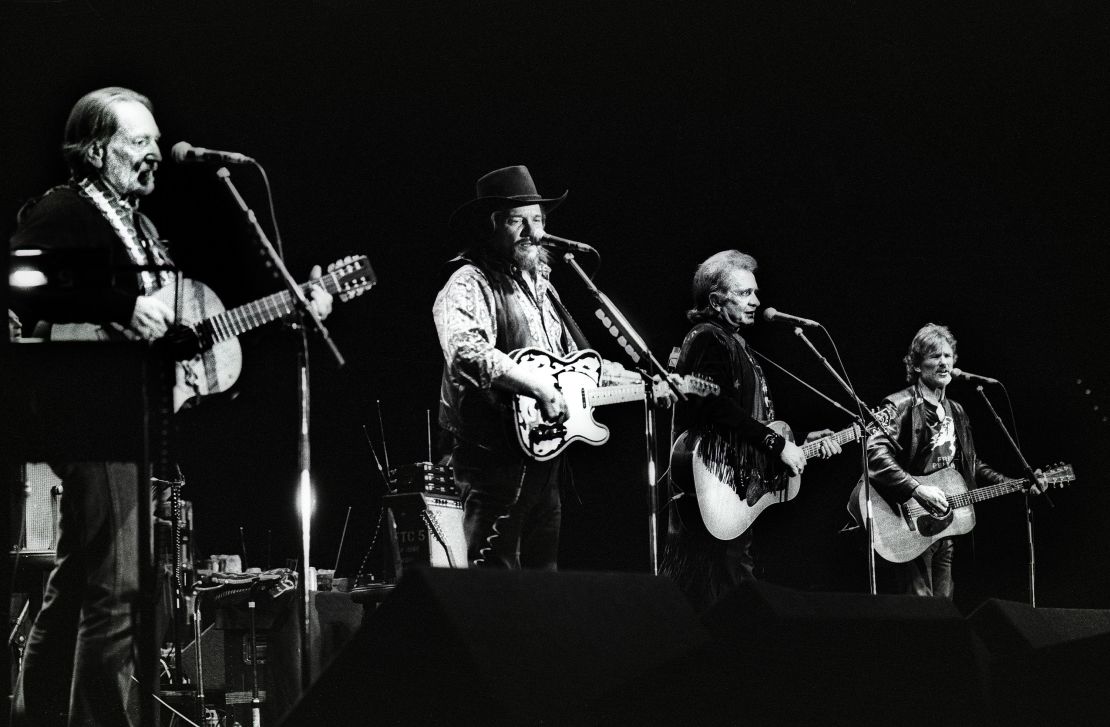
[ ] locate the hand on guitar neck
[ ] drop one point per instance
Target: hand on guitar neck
(320, 299)
(795, 459)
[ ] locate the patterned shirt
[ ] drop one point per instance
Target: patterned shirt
(467, 326)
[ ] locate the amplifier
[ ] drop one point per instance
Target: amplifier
(42, 492)
(429, 529)
(423, 477)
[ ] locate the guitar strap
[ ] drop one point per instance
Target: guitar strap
(569, 323)
(142, 245)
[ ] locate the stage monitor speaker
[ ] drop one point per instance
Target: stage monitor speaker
(847, 658)
(500, 648)
(1049, 665)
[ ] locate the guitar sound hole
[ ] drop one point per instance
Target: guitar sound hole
(932, 524)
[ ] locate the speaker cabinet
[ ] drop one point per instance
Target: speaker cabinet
(501, 648)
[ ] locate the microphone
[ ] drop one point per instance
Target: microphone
(564, 245)
(672, 360)
(961, 374)
(185, 153)
(773, 316)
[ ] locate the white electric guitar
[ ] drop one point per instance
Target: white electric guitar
(579, 379)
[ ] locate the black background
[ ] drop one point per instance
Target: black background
(887, 166)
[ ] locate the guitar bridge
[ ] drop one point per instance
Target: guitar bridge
(911, 522)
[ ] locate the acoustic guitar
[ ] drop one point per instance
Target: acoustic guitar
(218, 364)
(707, 465)
(904, 531)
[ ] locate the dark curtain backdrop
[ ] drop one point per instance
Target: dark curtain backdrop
(887, 165)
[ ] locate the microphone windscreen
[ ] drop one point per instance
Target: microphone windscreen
(180, 151)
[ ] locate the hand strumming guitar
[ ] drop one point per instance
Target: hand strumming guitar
(525, 380)
(151, 318)
(932, 498)
(793, 458)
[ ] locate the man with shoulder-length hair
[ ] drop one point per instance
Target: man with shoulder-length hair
(84, 633)
(726, 299)
(79, 662)
(934, 434)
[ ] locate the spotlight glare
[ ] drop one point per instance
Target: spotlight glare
(26, 278)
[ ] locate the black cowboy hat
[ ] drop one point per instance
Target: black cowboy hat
(501, 189)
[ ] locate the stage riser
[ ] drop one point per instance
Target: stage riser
(462, 647)
(454, 646)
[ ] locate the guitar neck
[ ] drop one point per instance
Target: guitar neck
(613, 394)
(844, 436)
(965, 499)
(232, 323)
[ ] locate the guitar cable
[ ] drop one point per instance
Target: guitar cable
(432, 522)
(495, 533)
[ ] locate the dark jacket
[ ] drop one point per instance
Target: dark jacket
(907, 426)
(61, 222)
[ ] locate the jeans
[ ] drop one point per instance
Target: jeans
(511, 508)
(80, 654)
(929, 574)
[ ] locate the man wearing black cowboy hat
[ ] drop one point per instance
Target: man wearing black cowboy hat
(500, 299)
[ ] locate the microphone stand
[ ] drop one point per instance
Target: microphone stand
(638, 351)
(1032, 559)
(304, 498)
(864, 414)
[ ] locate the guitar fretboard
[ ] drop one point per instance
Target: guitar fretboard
(635, 392)
(612, 394)
(1053, 478)
(964, 499)
(844, 436)
(237, 321)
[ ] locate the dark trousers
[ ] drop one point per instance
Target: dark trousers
(79, 657)
(929, 574)
(511, 508)
(703, 567)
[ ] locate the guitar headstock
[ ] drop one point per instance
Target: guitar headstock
(350, 277)
(1058, 475)
(695, 385)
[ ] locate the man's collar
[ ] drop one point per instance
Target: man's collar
(731, 328)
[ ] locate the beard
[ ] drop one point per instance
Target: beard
(529, 258)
